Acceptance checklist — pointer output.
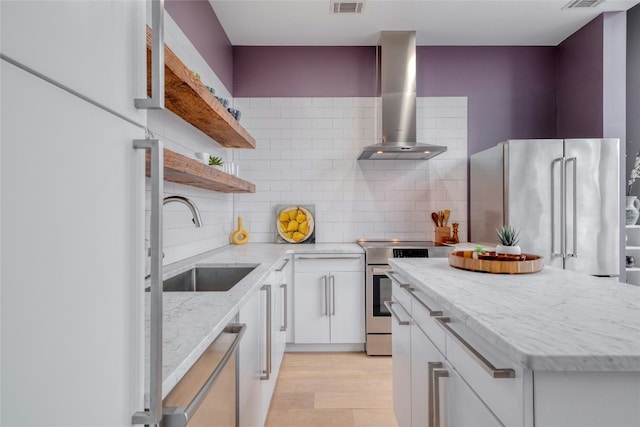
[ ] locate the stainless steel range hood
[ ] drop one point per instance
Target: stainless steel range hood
(399, 102)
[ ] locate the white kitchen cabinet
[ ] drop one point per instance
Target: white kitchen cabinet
(262, 347)
(72, 198)
(250, 362)
(276, 293)
(454, 404)
(428, 384)
(96, 48)
(329, 299)
(424, 358)
(632, 248)
(401, 369)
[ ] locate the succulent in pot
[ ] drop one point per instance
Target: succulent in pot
(508, 238)
(215, 161)
(479, 250)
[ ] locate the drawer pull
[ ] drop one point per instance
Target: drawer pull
(401, 322)
(486, 365)
(432, 313)
(392, 275)
(328, 257)
(284, 263)
(437, 374)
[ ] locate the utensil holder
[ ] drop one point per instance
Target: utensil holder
(442, 234)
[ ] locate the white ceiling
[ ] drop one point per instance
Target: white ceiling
(437, 22)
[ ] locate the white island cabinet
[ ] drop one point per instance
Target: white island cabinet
(551, 349)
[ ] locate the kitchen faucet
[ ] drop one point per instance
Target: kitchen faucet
(192, 207)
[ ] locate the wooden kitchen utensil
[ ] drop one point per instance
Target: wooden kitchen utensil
(240, 236)
(446, 217)
(434, 217)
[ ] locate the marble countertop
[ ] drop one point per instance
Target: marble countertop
(192, 320)
(555, 319)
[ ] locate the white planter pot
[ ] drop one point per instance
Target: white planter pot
(509, 250)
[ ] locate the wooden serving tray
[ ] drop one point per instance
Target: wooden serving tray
(496, 264)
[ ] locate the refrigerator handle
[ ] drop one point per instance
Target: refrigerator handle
(574, 252)
(156, 102)
(153, 415)
(553, 210)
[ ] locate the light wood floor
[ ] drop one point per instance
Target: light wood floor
(333, 389)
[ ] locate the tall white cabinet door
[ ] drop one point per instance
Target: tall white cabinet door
(95, 47)
(250, 360)
(312, 308)
(424, 355)
(71, 256)
(460, 406)
(347, 307)
(401, 350)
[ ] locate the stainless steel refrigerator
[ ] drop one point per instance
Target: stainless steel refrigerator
(562, 194)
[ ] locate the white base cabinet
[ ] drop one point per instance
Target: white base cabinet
(329, 299)
(401, 369)
(427, 390)
(464, 381)
(250, 356)
(262, 348)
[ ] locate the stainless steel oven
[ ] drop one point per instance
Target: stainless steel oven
(378, 285)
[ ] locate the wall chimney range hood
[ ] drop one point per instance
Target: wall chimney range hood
(399, 102)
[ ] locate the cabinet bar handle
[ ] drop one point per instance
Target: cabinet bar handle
(284, 327)
(326, 299)
(328, 257)
(154, 414)
(574, 252)
(392, 275)
(332, 280)
(267, 372)
(432, 313)
(156, 102)
(486, 365)
(553, 212)
(286, 261)
(431, 366)
(389, 304)
(437, 374)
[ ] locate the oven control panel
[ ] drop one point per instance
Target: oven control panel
(410, 253)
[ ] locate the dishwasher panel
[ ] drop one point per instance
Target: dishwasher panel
(207, 394)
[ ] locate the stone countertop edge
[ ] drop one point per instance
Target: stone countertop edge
(193, 320)
(580, 322)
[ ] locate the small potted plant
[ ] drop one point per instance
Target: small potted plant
(508, 238)
(215, 161)
(479, 250)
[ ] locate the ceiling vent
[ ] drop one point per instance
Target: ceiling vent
(346, 6)
(582, 4)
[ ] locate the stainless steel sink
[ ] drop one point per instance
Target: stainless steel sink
(207, 279)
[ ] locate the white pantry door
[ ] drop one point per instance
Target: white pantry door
(71, 259)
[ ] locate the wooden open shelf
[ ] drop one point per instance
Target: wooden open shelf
(183, 170)
(188, 97)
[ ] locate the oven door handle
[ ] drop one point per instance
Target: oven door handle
(380, 271)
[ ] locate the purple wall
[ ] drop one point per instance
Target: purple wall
(297, 71)
(510, 90)
(580, 80)
(200, 24)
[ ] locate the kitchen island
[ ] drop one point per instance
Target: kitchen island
(554, 348)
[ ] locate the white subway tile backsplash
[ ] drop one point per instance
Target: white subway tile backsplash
(306, 153)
